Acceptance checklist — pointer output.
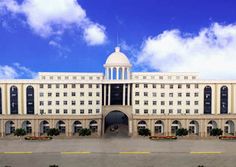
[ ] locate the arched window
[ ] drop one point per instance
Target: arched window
(0, 100)
(14, 100)
(224, 100)
(207, 100)
(30, 100)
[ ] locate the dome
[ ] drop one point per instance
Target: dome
(117, 58)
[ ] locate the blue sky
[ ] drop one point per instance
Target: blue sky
(156, 35)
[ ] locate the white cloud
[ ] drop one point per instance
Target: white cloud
(212, 52)
(53, 17)
(95, 35)
(16, 71)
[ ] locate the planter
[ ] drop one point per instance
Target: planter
(163, 137)
(227, 137)
(38, 138)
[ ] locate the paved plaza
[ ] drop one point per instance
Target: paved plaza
(117, 152)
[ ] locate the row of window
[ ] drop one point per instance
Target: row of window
(154, 94)
(66, 111)
(171, 86)
(145, 102)
(70, 77)
(65, 94)
(65, 86)
(163, 111)
(166, 77)
(73, 102)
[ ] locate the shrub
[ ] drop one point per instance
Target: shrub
(53, 132)
(84, 132)
(216, 132)
(144, 132)
(181, 132)
(20, 132)
(53, 166)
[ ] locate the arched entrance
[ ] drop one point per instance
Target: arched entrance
(26, 125)
(9, 127)
(44, 127)
(193, 127)
(116, 124)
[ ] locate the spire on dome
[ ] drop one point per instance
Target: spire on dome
(117, 49)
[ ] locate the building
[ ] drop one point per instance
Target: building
(162, 102)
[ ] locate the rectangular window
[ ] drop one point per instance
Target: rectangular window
(65, 102)
(57, 86)
(170, 103)
(154, 94)
(154, 103)
(136, 93)
(65, 86)
(196, 86)
(187, 94)
(162, 103)
(81, 85)
(179, 86)
(154, 111)
(145, 85)
(196, 111)
(179, 94)
(136, 85)
(97, 102)
(57, 103)
(65, 111)
(162, 111)
(137, 102)
(97, 86)
(49, 111)
(170, 111)
(49, 103)
(162, 94)
(145, 93)
(65, 94)
(49, 94)
(81, 94)
(154, 86)
(90, 94)
(57, 94)
(73, 103)
(188, 86)
(73, 94)
(146, 111)
(57, 111)
(187, 111)
(179, 111)
(196, 94)
(41, 103)
(162, 86)
(41, 94)
(187, 103)
(195, 102)
(171, 95)
(73, 86)
(90, 86)
(49, 86)
(41, 86)
(73, 111)
(97, 94)
(90, 111)
(90, 102)
(136, 111)
(145, 102)
(82, 102)
(179, 103)
(97, 111)
(81, 111)
(171, 86)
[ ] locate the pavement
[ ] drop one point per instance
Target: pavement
(117, 152)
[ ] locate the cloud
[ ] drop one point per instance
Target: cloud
(16, 71)
(212, 52)
(53, 17)
(62, 50)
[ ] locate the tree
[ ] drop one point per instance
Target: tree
(216, 132)
(20, 132)
(144, 132)
(53, 132)
(85, 132)
(181, 132)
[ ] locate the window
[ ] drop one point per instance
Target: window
(65, 86)
(73, 111)
(162, 111)
(187, 94)
(171, 86)
(162, 103)
(73, 103)
(65, 111)
(136, 111)
(73, 94)
(170, 103)
(160, 77)
(154, 103)
(207, 100)
(179, 86)
(90, 111)
(188, 86)
(90, 94)
(97, 94)
(170, 111)
(97, 86)
(57, 111)
(187, 111)
(145, 102)
(196, 86)
(185, 77)
(73, 86)
(162, 86)
(136, 85)
(179, 111)
(65, 102)
(57, 94)
(224, 100)
(81, 111)
(145, 93)
(65, 94)
(97, 102)
(137, 102)
(81, 94)
(162, 94)
(90, 102)
(49, 86)
(154, 86)
(196, 111)
(49, 103)
(179, 102)
(136, 93)
(187, 103)
(179, 94)
(154, 94)
(195, 94)
(49, 111)
(57, 86)
(90, 86)
(154, 111)
(41, 86)
(170, 94)
(145, 111)
(195, 102)
(49, 94)
(82, 102)
(41, 103)
(57, 103)
(41, 94)
(29, 100)
(145, 85)
(81, 85)
(97, 111)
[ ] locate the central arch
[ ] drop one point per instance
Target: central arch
(116, 123)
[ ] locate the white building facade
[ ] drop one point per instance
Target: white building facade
(161, 102)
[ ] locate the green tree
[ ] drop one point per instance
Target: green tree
(181, 132)
(53, 132)
(216, 132)
(144, 132)
(20, 132)
(85, 132)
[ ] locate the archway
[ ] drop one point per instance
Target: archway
(211, 125)
(61, 126)
(44, 127)
(77, 125)
(9, 127)
(26, 125)
(159, 127)
(116, 124)
(194, 127)
(175, 126)
(229, 127)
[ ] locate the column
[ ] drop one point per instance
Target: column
(130, 128)
(123, 73)
(128, 95)
(117, 73)
(105, 97)
(109, 94)
(123, 95)
(107, 73)
(111, 73)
